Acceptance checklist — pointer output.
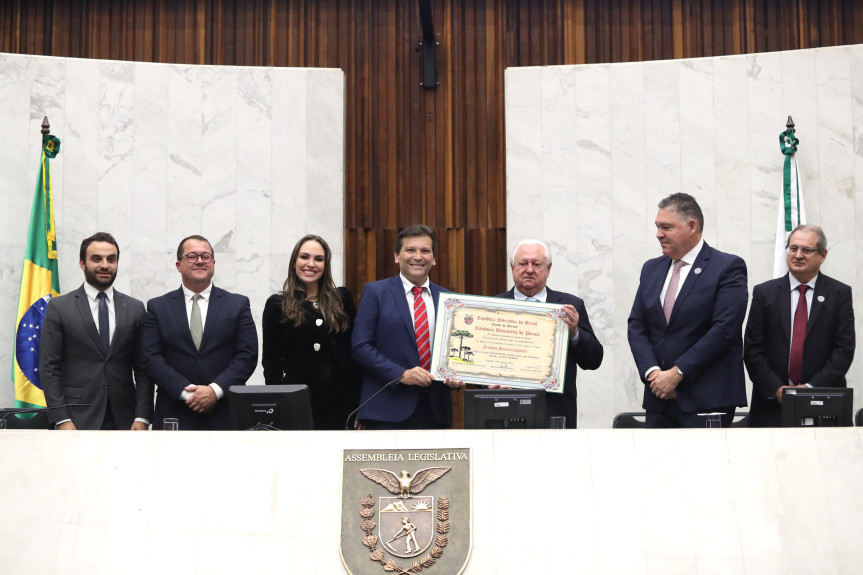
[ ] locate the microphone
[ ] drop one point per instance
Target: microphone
(6, 412)
(387, 385)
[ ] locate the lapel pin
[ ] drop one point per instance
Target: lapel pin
(696, 271)
(821, 299)
(317, 347)
(319, 322)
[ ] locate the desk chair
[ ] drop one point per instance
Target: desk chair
(628, 420)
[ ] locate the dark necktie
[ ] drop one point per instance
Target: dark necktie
(798, 337)
(671, 292)
(421, 328)
(104, 326)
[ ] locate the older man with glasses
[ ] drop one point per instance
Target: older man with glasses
(800, 331)
(531, 265)
(197, 341)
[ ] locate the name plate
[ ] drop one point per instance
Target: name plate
(488, 340)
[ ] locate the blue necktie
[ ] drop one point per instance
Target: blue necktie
(104, 327)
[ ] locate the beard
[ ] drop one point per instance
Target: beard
(94, 280)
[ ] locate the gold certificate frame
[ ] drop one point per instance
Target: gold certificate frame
(488, 340)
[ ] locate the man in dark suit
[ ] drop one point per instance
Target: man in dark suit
(89, 350)
(394, 323)
(531, 265)
(824, 317)
(686, 323)
(197, 342)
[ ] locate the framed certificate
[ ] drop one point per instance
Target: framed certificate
(488, 340)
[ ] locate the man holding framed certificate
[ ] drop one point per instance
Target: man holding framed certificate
(392, 339)
(531, 265)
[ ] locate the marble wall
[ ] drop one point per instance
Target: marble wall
(592, 149)
(252, 158)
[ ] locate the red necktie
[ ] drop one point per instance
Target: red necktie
(421, 327)
(798, 336)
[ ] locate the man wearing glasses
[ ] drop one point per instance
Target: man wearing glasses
(198, 341)
(531, 264)
(800, 331)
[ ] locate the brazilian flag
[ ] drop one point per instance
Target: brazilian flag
(39, 283)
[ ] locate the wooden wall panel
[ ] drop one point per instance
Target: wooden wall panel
(413, 154)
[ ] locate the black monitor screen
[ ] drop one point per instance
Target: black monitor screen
(270, 407)
(504, 409)
(817, 407)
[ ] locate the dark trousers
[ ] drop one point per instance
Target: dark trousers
(108, 421)
(421, 418)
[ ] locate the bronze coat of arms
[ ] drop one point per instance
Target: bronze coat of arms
(406, 511)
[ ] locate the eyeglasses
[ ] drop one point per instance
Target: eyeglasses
(205, 257)
(806, 251)
(524, 265)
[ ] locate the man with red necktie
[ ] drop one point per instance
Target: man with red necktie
(392, 339)
(800, 331)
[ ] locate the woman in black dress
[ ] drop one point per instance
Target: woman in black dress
(307, 335)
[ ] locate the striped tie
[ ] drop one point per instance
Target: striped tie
(421, 327)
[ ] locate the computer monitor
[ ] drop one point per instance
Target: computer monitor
(817, 407)
(270, 407)
(504, 409)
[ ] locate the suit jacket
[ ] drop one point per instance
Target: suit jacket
(703, 336)
(587, 354)
(287, 347)
(384, 345)
(827, 350)
(311, 354)
(74, 369)
(228, 354)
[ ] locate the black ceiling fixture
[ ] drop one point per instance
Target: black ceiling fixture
(428, 45)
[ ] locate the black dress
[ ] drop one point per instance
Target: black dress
(311, 354)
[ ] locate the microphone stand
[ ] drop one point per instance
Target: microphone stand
(387, 385)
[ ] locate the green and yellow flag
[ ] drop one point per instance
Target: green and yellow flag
(39, 283)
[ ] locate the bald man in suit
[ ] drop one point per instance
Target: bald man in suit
(825, 312)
